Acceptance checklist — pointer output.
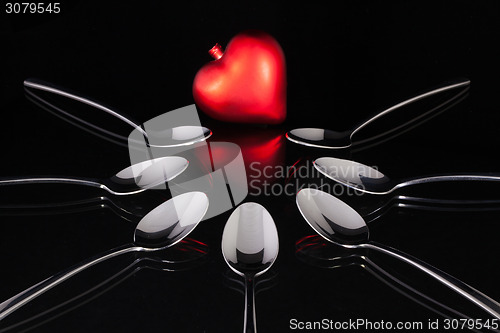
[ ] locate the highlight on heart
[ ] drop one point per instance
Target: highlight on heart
(246, 82)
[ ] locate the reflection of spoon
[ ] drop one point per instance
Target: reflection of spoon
(215, 168)
(372, 208)
(250, 247)
(187, 254)
(134, 179)
(315, 251)
(374, 211)
(324, 138)
(132, 209)
(168, 137)
(161, 228)
(369, 180)
(262, 285)
(340, 224)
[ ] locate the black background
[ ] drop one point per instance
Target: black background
(344, 62)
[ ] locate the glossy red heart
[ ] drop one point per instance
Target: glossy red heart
(246, 83)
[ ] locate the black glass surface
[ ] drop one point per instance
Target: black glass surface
(344, 62)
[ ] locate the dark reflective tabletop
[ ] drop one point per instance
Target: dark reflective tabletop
(344, 63)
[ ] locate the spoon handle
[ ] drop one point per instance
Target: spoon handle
(474, 295)
(250, 324)
(447, 178)
(37, 84)
(26, 296)
(55, 180)
(73, 206)
(50, 180)
(408, 291)
(400, 105)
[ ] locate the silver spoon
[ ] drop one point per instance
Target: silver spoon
(131, 211)
(167, 137)
(164, 226)
(324, 138)
(338, 223)
(313, 251)
(187, 254)
(374, 211)
(369, 180)
(250, 246)
(131, 180)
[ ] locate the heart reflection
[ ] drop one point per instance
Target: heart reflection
(263, 151)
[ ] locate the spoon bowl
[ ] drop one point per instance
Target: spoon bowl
(320, 138)
(338, 223)
(170, 222)
(250, 247)
(250, 240)
(331, 219)
(171, 137)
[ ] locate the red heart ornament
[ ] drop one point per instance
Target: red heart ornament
(246, 83)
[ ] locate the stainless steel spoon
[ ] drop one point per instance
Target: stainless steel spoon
(369, 180)
(338, 223)
(187, 254)
(131, 208)
(325, 138)
(131, 180)
(250, 246)
(372, 212)
(315, 251)
(164, 226)
(167, 137)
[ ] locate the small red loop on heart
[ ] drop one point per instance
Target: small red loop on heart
(246, 83)
(216, 52)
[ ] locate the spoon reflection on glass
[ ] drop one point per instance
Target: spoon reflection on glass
(373, 207)
(132, 180)
(163, 227)
(263, 283)
(340, 224)
(324, 138)
(167, 137)
(250, 247)
(373, 211)
(369, 180)
(131, 208)
(187, 254)
(317, 252)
